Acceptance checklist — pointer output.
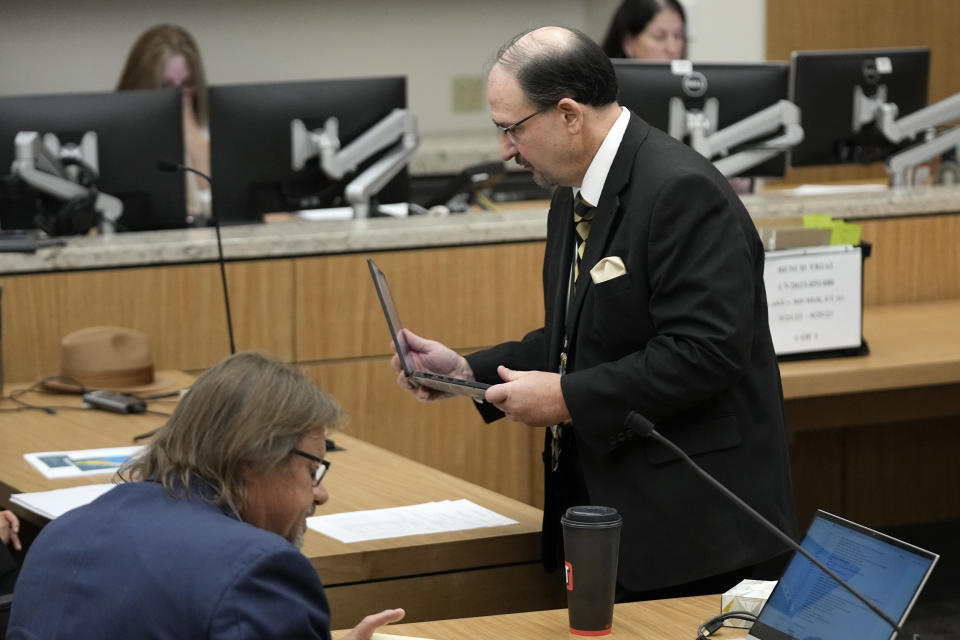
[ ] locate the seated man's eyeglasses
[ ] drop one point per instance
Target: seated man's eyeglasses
(322, 466)
(510, 129)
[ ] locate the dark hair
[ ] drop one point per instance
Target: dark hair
(547, 71)
(632, 18)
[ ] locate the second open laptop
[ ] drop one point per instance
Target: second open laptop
(456, 386)
(806, 603)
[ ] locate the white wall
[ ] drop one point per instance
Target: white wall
(59, 45)
(68, 45)
(727, 30)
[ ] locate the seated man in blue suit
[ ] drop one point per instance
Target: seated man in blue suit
(201, 542)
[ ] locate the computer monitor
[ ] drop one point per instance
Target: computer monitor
(740, 90)
(825, 85)
(134, 130)
(251, 146)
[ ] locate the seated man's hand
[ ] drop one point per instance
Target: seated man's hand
(368, 625)
(9, 528)
(432, 357)
(531, 397)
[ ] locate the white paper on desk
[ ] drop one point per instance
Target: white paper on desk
(833, 189)
(413, 520)
(333, 213)
(396, 209)
(53, 504)
(86, 462)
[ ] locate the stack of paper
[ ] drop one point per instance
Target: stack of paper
(53, 504)
(418, 519)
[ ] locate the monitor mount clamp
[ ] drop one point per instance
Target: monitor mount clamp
(44, 165)
(919, 124)
(701, 126)
(398, 129)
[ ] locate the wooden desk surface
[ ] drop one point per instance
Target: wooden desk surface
(911, 345)
(656, 620)
(362, 476)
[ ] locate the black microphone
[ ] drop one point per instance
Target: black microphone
(173, 167)
(643, 427)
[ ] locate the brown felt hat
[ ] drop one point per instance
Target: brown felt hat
(110, 358)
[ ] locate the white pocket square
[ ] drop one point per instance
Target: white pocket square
(607, 269)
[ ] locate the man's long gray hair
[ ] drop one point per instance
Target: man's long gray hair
(247, 413)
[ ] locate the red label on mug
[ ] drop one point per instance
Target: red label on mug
(568, 575)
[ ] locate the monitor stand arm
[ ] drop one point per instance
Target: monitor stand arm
(36, 162)
(337, 162)
(901, 165)
(699, 124)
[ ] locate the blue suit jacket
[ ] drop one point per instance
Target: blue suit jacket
(138, 563)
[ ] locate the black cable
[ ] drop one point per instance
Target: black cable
(144, 436)
(710, 626)
(81, 388)
(51, 409)
(36, 387)
(16, 394)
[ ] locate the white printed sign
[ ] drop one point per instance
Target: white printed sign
(814, 298)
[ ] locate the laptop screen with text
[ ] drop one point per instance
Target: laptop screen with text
(807, 603)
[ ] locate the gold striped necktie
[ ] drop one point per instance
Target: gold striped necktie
(582, 217)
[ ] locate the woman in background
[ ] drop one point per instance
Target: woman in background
(654, 30)
(647, 30)
(166, 55)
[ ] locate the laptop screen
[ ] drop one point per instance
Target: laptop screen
(807, 603)
(390, 311)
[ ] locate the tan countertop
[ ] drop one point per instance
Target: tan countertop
(522, 222)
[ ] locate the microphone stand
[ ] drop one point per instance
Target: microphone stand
(164, 165)
(645, 428)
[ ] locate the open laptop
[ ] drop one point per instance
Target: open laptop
(456, 386)
(807, 603)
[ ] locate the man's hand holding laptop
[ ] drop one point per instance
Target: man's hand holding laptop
(429, 355)
(531, 397)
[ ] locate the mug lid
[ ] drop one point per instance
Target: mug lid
(591, 514)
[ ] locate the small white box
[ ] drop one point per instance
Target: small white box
(749, 595)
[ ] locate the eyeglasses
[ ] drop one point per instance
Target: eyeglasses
(322, 466)
(510, 128)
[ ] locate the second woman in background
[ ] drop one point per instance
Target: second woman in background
(647, 30)
(166, 55)
(654, 30)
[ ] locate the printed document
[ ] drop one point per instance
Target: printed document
(417, 519)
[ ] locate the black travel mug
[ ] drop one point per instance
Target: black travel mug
(591, 541)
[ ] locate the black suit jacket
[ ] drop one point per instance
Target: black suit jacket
(8, 570)
(681, 337)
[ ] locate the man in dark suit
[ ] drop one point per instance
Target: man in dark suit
(203, 543)
(655, 305)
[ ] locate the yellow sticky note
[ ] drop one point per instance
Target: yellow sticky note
(818, 220)
(844, 233)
